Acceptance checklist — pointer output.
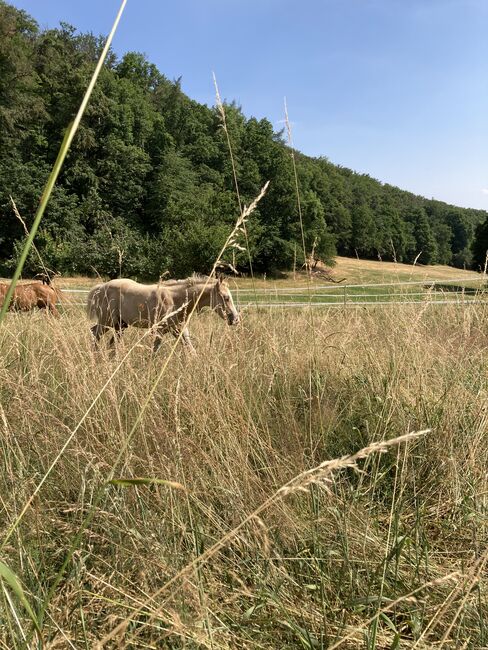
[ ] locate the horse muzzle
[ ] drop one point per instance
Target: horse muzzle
(233, 319)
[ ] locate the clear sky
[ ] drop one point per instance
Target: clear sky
(397, 89)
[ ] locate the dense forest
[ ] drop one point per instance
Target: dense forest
(148, 184)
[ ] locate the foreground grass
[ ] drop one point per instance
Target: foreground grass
(257, 406)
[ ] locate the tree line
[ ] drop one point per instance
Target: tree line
(148, 185)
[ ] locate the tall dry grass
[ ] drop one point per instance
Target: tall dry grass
(392, 555)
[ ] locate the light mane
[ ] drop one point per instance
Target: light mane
(195, 278)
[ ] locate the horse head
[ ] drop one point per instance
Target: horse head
(223, 302)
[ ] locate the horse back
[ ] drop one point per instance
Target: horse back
(126, 301)
(27, 296)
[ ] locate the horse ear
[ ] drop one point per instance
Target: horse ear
(220, 278)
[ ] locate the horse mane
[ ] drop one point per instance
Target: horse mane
(199, 278)
(195, 278)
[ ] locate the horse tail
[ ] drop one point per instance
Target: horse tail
(60, 296)
(93, 302)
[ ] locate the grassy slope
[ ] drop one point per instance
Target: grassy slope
(353, 277)
(354, 271)
(366, 271)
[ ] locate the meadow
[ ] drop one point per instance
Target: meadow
(164, 522)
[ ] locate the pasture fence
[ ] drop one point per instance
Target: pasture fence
(460, 291)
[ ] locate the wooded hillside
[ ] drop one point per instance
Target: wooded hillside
(148, 184)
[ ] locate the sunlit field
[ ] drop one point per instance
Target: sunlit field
(390, 554)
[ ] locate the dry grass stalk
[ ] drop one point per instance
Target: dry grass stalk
(297, 186)
(221, 109)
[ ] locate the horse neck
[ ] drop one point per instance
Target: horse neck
(200, 292)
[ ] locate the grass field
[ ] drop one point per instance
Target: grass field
(392, 554)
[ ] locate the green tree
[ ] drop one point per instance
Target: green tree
(426, 250)
(479, 247)
(443, 236)
(149, 184)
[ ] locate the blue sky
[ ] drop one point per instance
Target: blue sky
(397, 89)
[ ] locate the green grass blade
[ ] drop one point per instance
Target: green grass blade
(13, 582)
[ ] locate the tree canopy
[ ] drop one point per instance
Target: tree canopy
(148, 185)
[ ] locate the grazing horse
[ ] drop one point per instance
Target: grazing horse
(164, 306)
(29, 295)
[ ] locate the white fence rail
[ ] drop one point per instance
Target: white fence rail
(340, 286)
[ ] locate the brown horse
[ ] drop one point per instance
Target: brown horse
(29, 295)
(164, 306)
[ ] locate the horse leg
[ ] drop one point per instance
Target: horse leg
(157, 342)
(98, 331)
(185, 338)
(119, 329)
(160, 332)
(51, 307)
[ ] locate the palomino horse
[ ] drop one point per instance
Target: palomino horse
(29, 295)
(119, 303)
